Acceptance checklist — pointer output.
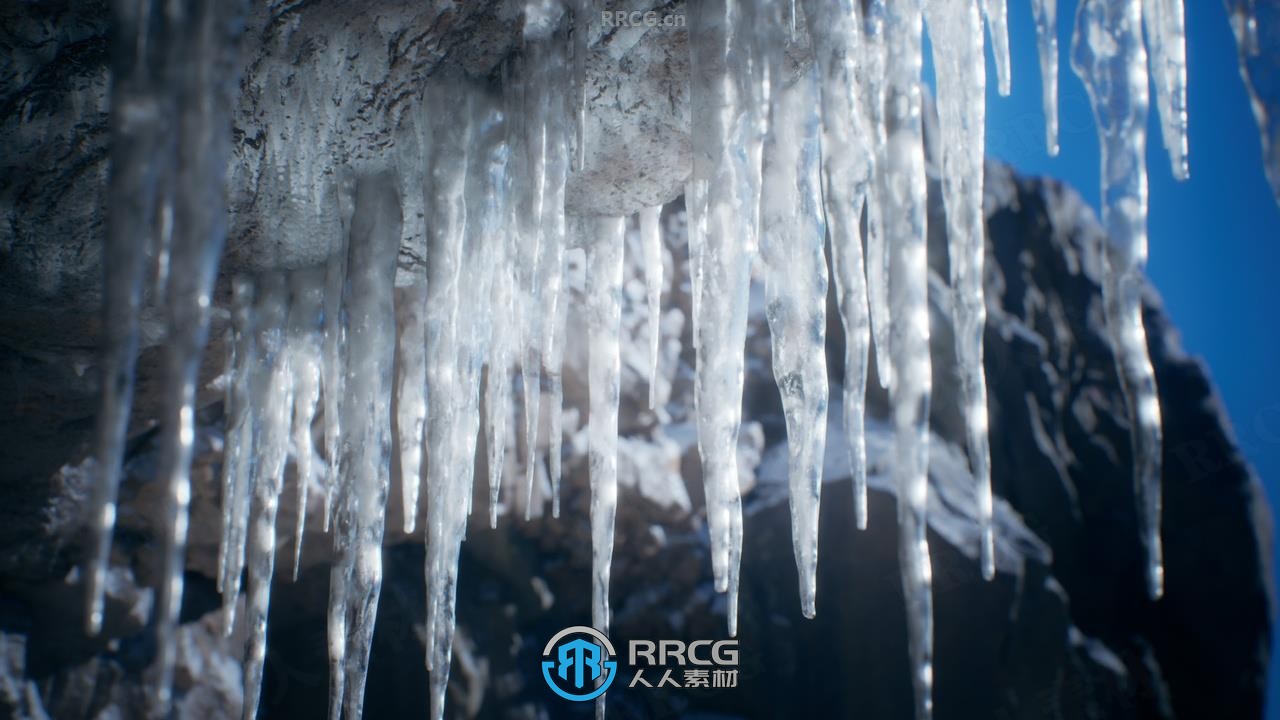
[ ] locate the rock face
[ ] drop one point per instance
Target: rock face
(1065, 629)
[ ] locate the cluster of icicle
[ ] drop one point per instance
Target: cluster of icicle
(784, 166)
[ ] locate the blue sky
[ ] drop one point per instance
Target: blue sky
(1215, 238)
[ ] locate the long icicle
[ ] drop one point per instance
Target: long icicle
(535, 144)
(447, 502)
(903, 193)
(239, 446)
(997, 14)
(956, 30)
(497, 391)
(792, 236)
(877, 260)
(558, 134)
(555, 426)
(582, 11)
(651, 240)
(1046, 18)
(1248, 24)
(1108, 55)
(305, 355)
(411, 393)
(604, 312)
(1166, 27)
(355, 581)
(848, 160)
(721, 94)
(202, 44)
(272, 401)
(335, 273)
(136, 134)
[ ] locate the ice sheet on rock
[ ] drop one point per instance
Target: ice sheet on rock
(793, 230)
(272, 406)
(724, 177)
(364, 474)
(1045, 13)
(411, 392)
(1166, 26)
(651, 239)
(1108, 55)
(903, 193)
(604, 313)
(956, 32)
(305, 341)
(848, 163)
(1256, 26)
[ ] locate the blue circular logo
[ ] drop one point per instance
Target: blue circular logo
(576, 667)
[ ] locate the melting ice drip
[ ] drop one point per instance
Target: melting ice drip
(780, 167)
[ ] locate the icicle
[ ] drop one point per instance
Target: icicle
(651, 239)
(956, 31)
(1165, 22)
(1046, 17)
(877, 261)
(904, 197)
(364, 475)
(533, 200)
(335, 273)
(466, 242)
(723, 175)
(1258, 70)
(552, 226)
(136, 137)
(305, 356)
(556, 427)
(848, 158)
(202, 43)
(695, 200)
(793, 232)
(239, 447)
(604, 313)
(447, 502)
(996, 12)
(411, 393)
(272, 404)
(1108, 55)
(582, 12)
(497, 392)
(485, 295)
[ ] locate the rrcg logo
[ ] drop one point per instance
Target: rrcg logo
(578, 668)
(581, 668)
